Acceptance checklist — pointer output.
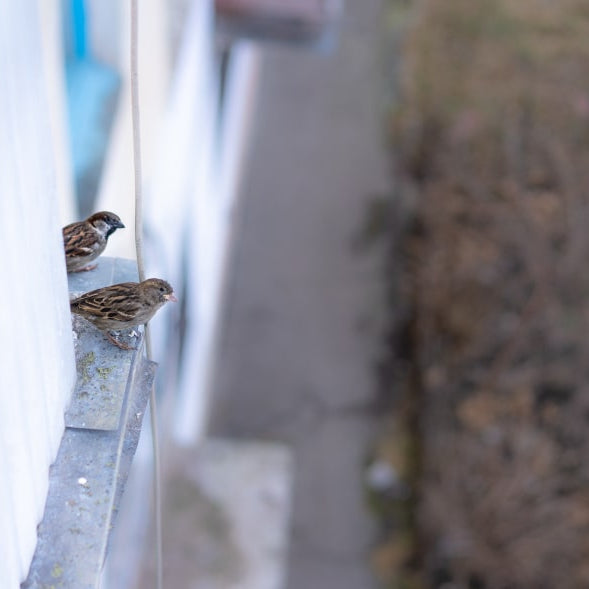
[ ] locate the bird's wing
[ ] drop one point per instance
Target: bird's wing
(78, 240)
(118, 302)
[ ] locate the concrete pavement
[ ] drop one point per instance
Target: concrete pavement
(304, 310)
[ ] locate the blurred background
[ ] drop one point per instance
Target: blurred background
(264, 167)
(374, 216)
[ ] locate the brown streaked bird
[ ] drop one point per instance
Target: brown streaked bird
(122, 306)
(85, 240)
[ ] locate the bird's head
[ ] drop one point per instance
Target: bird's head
(159, 289)
(105, 222)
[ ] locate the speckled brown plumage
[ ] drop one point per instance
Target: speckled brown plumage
(85, 240)
(123, 305)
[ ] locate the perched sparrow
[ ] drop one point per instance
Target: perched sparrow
(123, 305)
(85, 241)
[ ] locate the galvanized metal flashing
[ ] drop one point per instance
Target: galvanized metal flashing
(103, 369)
(88, 476)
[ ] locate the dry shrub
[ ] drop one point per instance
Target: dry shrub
(492, 133)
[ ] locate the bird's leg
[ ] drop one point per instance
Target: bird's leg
(117, 343)
(86, 268)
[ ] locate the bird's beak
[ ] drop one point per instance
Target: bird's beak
(119, 225)
(171, 297)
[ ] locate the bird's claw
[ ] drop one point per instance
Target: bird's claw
(86, 268)
(119, 344)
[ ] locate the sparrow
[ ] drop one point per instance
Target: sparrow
(123, 305)
(85, 240)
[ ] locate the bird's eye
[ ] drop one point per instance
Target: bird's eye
(161, 289)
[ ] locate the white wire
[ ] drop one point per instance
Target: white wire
(157, 493)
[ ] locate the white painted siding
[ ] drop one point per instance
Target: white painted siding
(192, 154)
(36, 352)
(215, 190)
(192, 160)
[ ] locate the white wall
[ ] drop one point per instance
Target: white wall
(192, 156)
(212, 197)
(116, 187)
(36, 353)
(191, 164)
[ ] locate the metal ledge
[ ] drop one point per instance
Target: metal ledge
(88, 476)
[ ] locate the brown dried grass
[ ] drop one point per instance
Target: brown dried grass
(492, 133)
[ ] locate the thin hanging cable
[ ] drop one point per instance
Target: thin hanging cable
(157, 492)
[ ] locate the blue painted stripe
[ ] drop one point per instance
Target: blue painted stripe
(78, 11)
